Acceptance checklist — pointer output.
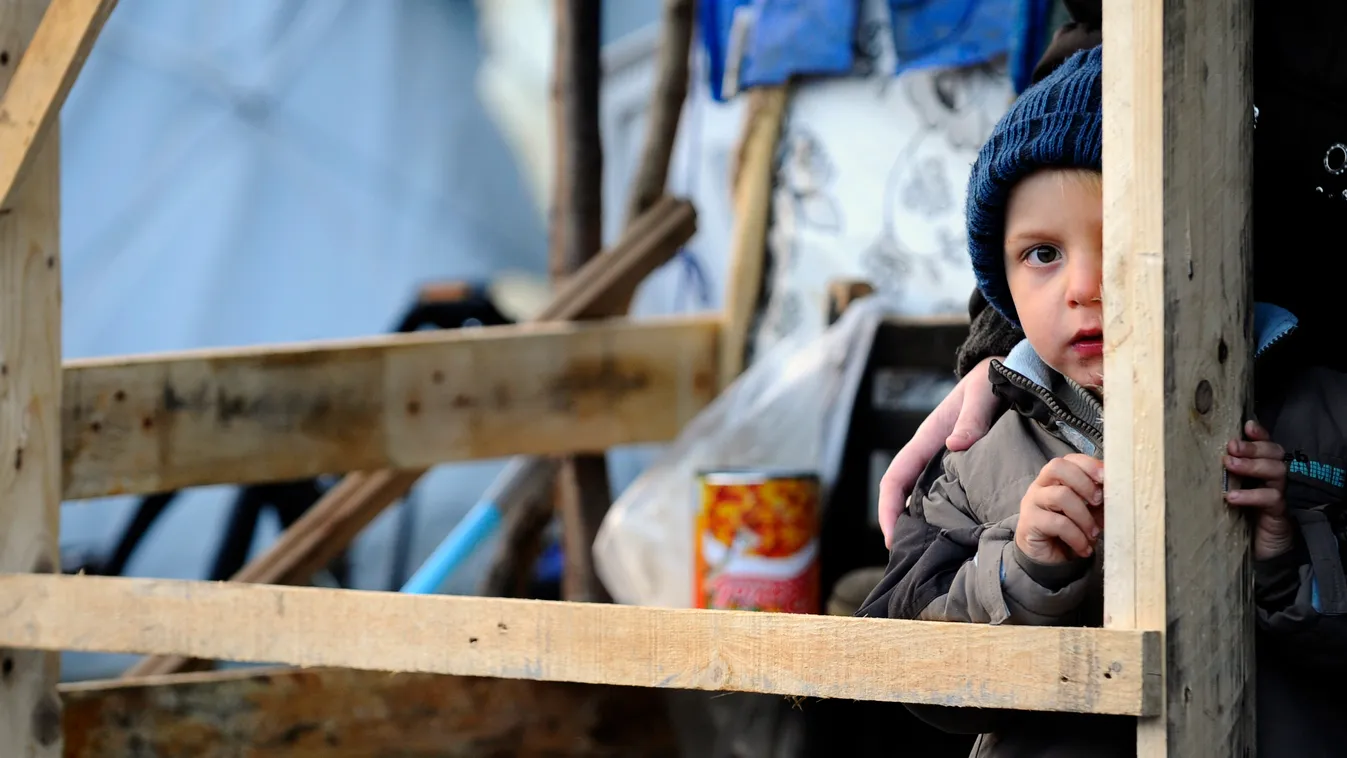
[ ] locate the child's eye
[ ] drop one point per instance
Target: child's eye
(1043, 255)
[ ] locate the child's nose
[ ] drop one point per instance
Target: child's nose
(1085, 279)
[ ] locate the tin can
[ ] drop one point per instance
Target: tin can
(757, 541)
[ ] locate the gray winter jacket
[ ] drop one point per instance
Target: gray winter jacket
(954, 558)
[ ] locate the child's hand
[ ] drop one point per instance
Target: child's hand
(1061, 515)
(1260, 459)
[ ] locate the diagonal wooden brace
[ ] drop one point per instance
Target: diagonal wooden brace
(42, 79)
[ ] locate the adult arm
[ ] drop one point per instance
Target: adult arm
(961, 419)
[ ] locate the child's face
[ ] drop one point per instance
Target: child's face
(1054, 264)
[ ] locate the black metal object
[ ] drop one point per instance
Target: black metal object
(289, 500)
(468, 306)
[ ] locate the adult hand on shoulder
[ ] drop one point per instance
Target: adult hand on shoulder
(961, 419)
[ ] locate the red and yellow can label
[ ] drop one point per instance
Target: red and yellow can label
(756, 542)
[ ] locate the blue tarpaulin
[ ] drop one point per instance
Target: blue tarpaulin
(778, 39)
(784, 38)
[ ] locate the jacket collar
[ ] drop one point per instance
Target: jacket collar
(1038, 391)
(1271, 323)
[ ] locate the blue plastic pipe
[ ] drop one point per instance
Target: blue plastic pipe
(477, 524)
(524, 476)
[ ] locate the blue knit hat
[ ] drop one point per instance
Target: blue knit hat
(1055, 123)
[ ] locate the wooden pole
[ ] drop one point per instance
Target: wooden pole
(577, 189)
(582, 490)
(666, 106)
(1177, 191)
(752, 180)
(523, 528)
(665, 113)
(30, 402)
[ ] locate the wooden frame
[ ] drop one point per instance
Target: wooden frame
(1176, 649)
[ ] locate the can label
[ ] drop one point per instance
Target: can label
(757, 542)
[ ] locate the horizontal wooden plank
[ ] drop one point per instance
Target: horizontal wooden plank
(1029, 668)
(345, 713)
(408, 401)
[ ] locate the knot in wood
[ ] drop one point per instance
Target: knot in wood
(1202, 398)
(47, 720)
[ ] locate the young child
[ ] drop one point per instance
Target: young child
(1009, 531)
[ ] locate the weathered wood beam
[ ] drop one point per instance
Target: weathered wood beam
(754, 177)
(582, 490)
(30, 352)
(667, 99)
(46, 69)
(402, 401)
(345, 713)
(1035, 668)
(577, 184)
(1177, 194)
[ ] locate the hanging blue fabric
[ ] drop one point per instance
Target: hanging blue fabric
(776, 39)
(1030, 41)
(717, 19)
(761, 42)
(930, 33)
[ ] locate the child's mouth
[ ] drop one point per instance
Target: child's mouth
(1088, 344)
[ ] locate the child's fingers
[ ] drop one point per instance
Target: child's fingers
(1255, 431)
(1069, 473)
(1093, 467)
(1263, 498)
(1066, 501)
(1047, 525)
(1257, 449)
(1267, 469)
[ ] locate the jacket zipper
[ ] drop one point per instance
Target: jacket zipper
(1094, 434)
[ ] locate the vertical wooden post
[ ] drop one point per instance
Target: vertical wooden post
(577, 199)
(753, 178)
(30, 400)
(583, 494)
(1177, 192)
(670, 92)
(585, 504)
